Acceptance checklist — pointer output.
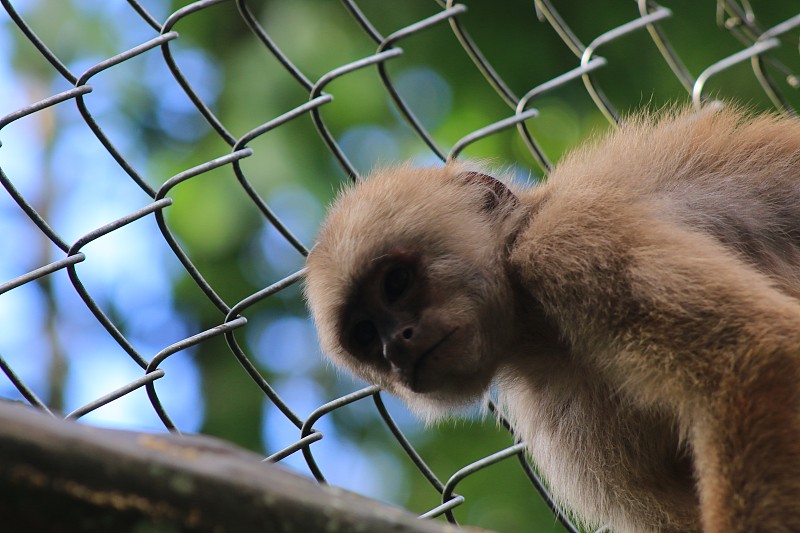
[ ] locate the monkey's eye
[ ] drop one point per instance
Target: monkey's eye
(396, 282)
(364, 333)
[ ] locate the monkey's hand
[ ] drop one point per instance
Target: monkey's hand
(674, 320)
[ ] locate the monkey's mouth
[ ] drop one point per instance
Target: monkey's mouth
(413, 377)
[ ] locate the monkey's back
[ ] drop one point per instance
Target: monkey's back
(721, 171)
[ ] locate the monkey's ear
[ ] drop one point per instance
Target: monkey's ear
(497, 194)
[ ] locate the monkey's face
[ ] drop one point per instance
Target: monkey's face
(420, 325)
(416, 305)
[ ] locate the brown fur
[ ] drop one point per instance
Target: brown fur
(638, 313)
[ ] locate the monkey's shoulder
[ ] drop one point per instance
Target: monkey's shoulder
(568, 224)
(674, 152)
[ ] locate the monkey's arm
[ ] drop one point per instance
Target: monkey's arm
(673, 320)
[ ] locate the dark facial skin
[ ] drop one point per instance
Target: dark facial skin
(385, 324)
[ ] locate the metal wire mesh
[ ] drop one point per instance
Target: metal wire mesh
(737, 18)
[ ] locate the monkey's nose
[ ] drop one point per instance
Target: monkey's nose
(399, 348)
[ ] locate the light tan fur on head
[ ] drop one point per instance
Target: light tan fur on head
(405, 208)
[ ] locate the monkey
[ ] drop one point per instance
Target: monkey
(636, 314)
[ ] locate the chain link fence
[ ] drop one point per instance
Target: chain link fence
(766, 54)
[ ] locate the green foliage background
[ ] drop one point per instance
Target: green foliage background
(221, 229)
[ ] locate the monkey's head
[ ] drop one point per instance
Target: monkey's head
(408, 284)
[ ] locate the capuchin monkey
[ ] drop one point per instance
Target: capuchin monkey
(637, 314)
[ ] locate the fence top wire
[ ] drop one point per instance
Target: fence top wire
(759, 45)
